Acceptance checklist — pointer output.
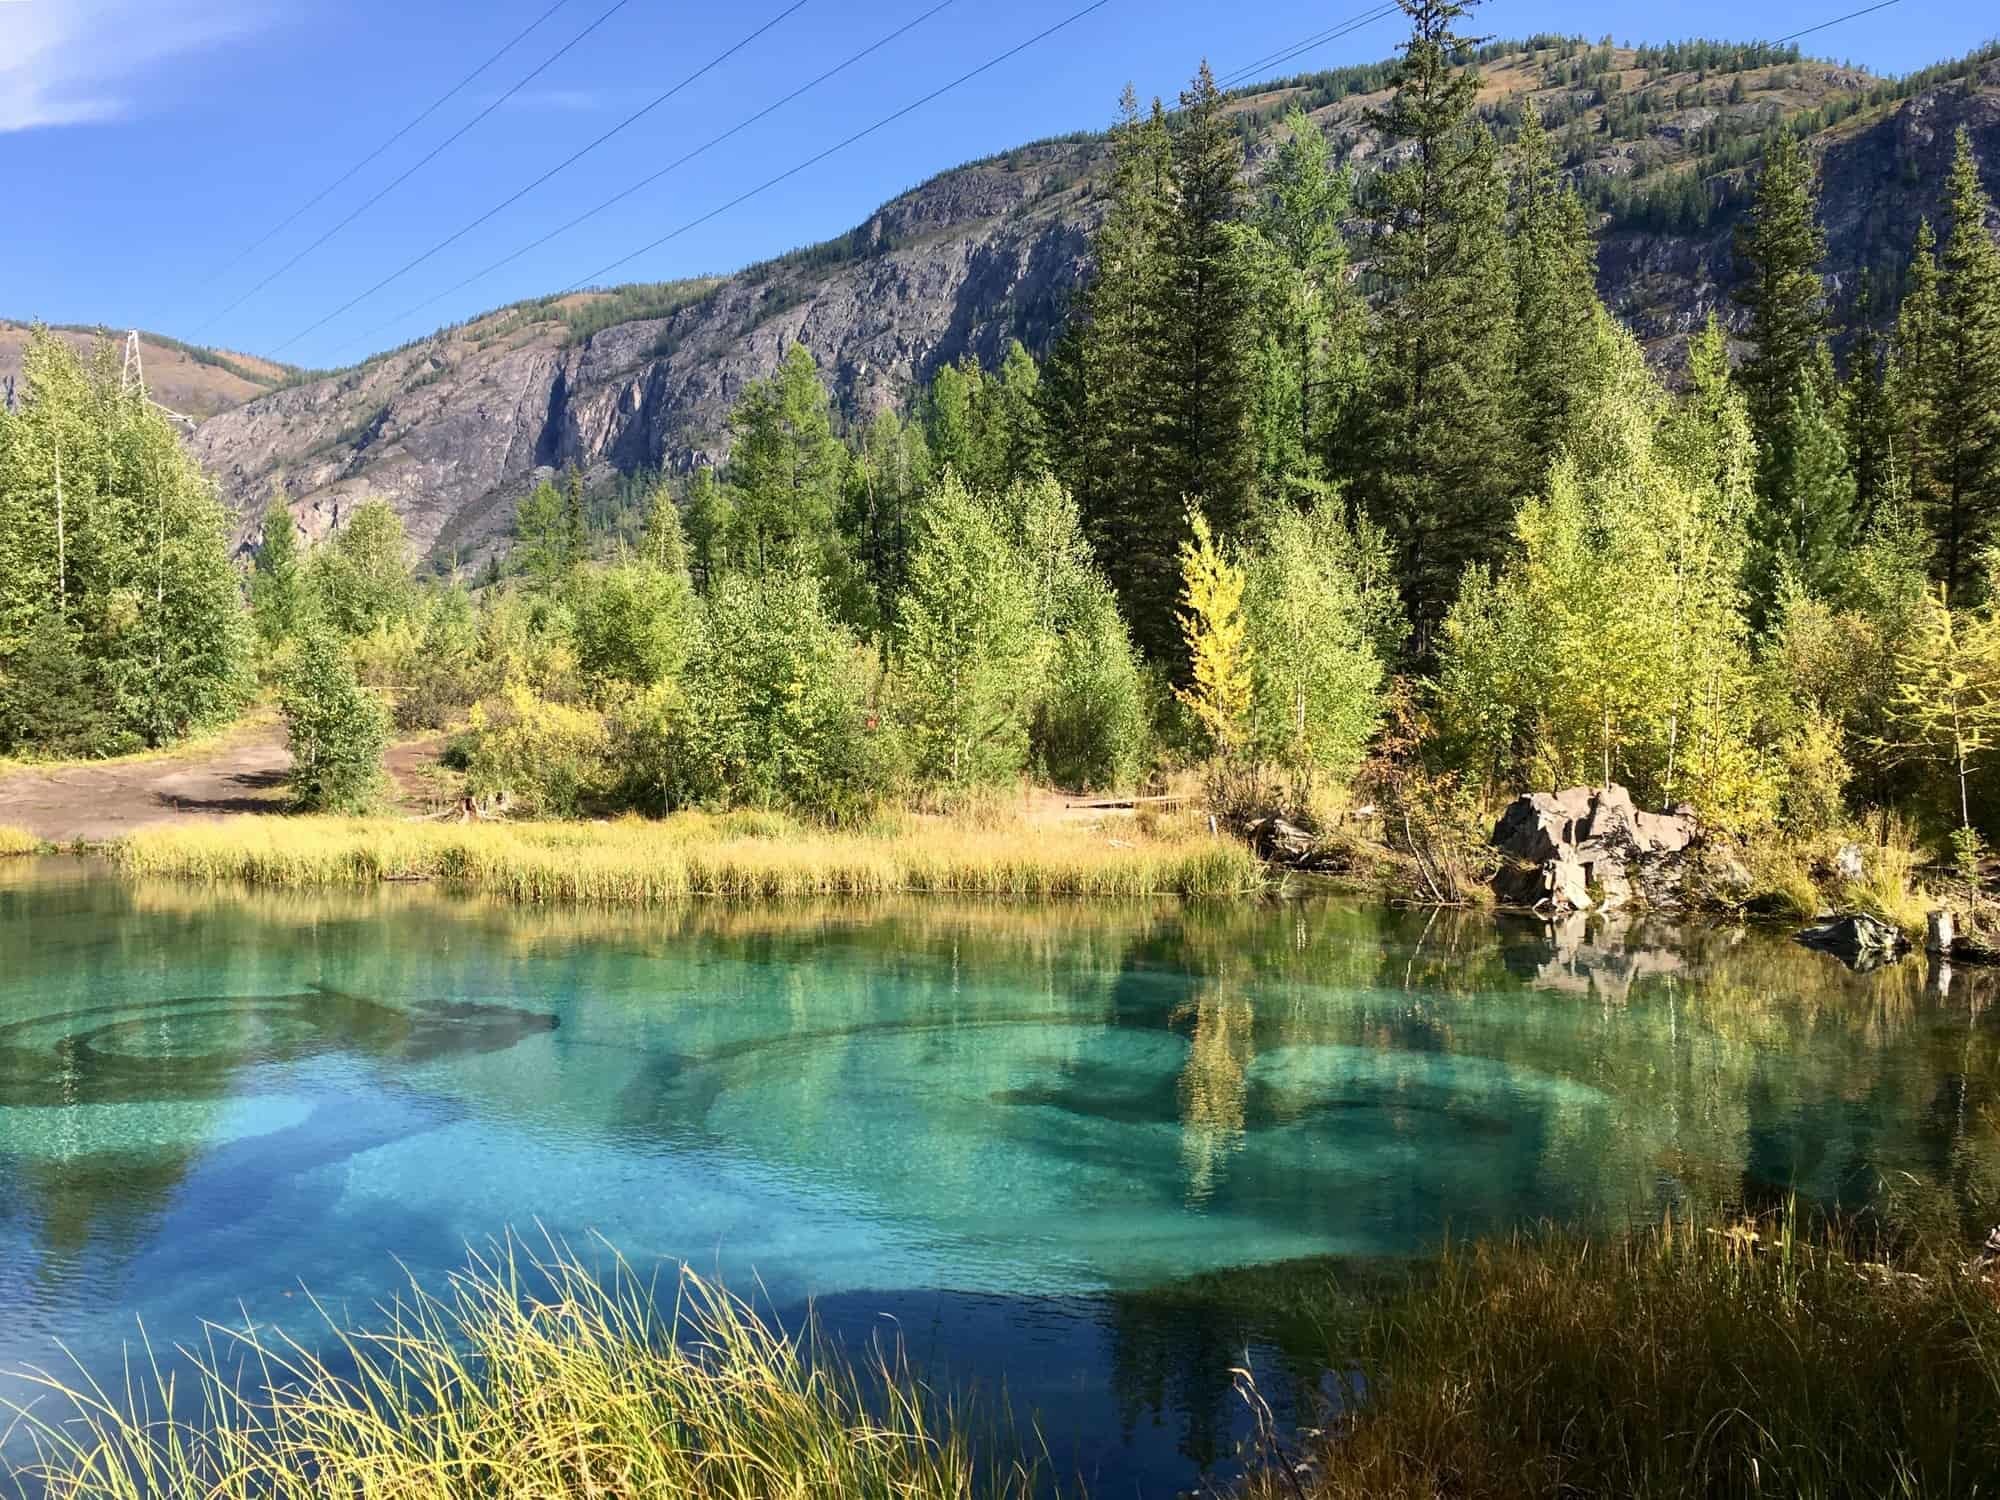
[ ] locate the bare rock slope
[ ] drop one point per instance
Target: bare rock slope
(453, 429)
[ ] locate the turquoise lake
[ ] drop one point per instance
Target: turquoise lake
(1025, 1139)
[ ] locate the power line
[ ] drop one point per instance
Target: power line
(347, 176)
(568, 161)
(841, 145)
(421, 162)
(1286, 54)
(1865, 10)
(647, 181)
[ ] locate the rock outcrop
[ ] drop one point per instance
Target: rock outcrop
(1858, 940)
(1589, 847)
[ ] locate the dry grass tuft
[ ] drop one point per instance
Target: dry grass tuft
(1694, 1360)
(739, 856)
(19, 841)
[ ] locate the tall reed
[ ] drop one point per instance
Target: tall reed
(526, 1379)
(18, 841)
(1691, 1360)
(636, 863)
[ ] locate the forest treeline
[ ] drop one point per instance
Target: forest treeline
(1326, 477)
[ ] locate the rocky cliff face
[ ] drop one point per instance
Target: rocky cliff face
(453, 430)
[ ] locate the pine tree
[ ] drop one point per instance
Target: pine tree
(1555, 296)
(1807, 521)
(542, 536)
(1964, 448)
(1203, 325)
(278, 581)
(1911, 375)
(1016, 436)
(785, 471)
(1310, 351)
(1102, 403)
(665, 543)
(1871, 428)
(885, 485)
(1435, 463)
(1780, 251)
(575, 518)
(709, 522)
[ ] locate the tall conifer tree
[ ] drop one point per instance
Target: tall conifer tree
(1436, 460)
(1780, 252)
(1100, 403)
(1198, 376)
(1555, 296)
(1964, 449)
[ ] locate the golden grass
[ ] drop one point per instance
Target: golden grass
(1696, 1360)
(635, 863)
(18, 841)
(524, 1380)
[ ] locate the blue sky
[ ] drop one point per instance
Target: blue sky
(144, 144)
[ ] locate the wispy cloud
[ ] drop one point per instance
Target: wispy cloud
(71, 62)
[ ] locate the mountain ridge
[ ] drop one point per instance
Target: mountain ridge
(453, 427)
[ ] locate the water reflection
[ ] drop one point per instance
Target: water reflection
(1089, 1118)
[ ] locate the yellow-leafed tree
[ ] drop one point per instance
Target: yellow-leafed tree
(1212, 624)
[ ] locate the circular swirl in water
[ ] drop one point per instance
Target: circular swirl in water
(191, 1046)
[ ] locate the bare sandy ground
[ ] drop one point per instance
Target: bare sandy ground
(240, 774)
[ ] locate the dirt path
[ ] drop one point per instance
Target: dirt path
(241, 773)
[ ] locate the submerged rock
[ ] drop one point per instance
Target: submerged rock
(1856, 939)
(1589, 847)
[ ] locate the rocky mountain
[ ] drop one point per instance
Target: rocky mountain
(453, 428)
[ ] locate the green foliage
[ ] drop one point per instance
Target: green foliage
(633, 623)
(1308, 356)
(1946, 706)
(968, 651)
(1615, 646)
(279, 592)
(336, 728)
(1316, 682)
(1436, 461)
(1963, 445)
(1780, 251)
(431, 663)
(541, 757)
(361, 574)
(785, 472)
(115, 576)
(664, 544)
(1807, 512)
(544, 540)
(1554, 265)
(772, 708)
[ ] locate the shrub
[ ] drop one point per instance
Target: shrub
(1089, 729)
(967, 648)
(771, 710)
(546, 758)
(1316, 683)
(336, 727)
(633, 623)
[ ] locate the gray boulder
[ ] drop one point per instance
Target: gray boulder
(1588, 847)
(1856, 939)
